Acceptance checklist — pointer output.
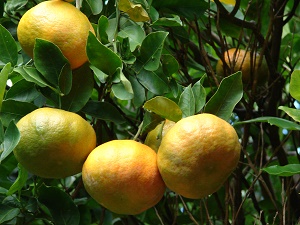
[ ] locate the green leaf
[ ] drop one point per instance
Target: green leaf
(53, 65)
(102, 26)
(168, 22)
(150, 52)
(15, 110)
(150, 121)
(229, 93)
(3, 79)
(164, 107)
(81, 91)
(295, 85)
(120, 92)
(279, 122)
(96, 6)
(187, 102)
(139, 95)
(11, 139)
(294, 113)
(23, 91)
(31, 74)
(135, 34)
(61, 206)
(104, 111)
(8, 46)
(102, 57)
(154, 81)
(169, 64)
(20, 181)
(200, 96)
(283, 171)
(7, 213)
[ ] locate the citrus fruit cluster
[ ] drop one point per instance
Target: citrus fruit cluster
(242, 60)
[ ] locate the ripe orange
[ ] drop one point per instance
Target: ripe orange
(122, 175)
(60, 23)
(155, 136)
(241, 60)
(54, 143)
(197, 155)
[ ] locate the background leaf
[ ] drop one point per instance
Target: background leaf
(20, 181)
(283, 171)
(3, 79)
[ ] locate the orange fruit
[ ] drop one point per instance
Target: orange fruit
(60, 23)
(198, 154)
(122, 176)
(154, 137)
(54, 143)
(241, 60)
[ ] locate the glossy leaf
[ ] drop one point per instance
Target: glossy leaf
(11, 139)
(96, 6)
(200, 96)
(151, 50)
(31, 74)
(279, 122)
(102, 57)
(104, 111)
(229, 93)
(20, 181)
(135, 34)
(14, 110)
(120, 92)
(187, 102)
(102, 26)
(52, 64)
(8, 46)
(153, 81)
(62, 208)
(23, 91)
(283, 171)
(3, 79)
(164, 107)
(295, 85)
(81, 91)
(294, 113)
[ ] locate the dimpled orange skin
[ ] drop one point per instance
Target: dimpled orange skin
(59, 22)
(197, 155)
(54, 143)
(122, 175)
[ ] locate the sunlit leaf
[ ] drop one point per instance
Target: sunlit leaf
(283, 171)
(200, 95)
(295, 85)
(294, 113)
(135, 11)
(164, 107)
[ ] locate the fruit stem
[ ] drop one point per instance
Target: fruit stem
(138, 132)
(77, 3)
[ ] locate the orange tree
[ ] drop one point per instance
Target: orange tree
(151, 60)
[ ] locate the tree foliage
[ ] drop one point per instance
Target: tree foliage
(152, 60)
